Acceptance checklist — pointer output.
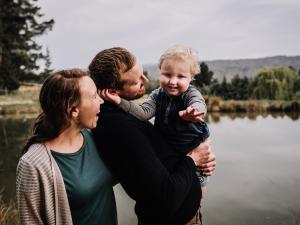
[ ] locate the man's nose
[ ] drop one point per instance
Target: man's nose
(145, 79)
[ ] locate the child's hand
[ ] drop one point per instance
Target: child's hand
(109, 95)
(190, 114)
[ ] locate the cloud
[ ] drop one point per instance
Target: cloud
(218, 29)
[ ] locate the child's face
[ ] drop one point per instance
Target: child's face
(175, 76)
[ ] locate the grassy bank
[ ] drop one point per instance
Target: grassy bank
(216, 104)
(25, 101)
(8, 213)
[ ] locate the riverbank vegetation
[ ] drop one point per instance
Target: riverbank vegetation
(8, 213)
(272, 83)
(25, 101)
(22, 101)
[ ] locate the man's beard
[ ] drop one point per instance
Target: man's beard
(140, 93)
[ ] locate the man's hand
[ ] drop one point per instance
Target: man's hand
(204, 158)
(110, 95)
(191, 114)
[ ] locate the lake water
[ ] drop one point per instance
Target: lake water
(257, 180)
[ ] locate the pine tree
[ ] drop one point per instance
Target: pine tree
(47, 69)
(19, 25)
(205, 77)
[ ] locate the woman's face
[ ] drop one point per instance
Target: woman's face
(90, 101)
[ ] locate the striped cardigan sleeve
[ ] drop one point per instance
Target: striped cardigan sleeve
(28, 194)
(40, 190)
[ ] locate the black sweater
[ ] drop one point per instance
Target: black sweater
(162, 182)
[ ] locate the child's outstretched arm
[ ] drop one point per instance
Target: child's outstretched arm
(191, 114)
(143, 112)
(196, 106)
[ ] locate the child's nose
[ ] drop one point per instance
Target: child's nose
(173, 81)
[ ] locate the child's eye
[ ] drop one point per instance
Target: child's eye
(182, 76)
(166, 74)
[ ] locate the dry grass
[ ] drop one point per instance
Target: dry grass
(215, 104)
(23, 101)
(8, 213)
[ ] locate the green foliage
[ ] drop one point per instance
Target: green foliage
(19, 26)
(205, 77)
(153, 84)
(275, 83)
(47, 71)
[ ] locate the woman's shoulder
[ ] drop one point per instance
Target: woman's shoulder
(87, 133)
(35, 155)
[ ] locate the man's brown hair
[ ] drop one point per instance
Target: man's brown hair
(108, 65)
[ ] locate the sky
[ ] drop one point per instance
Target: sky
(217, 29)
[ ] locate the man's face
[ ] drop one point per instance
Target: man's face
(134, 83)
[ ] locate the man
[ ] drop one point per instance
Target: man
(162, 182)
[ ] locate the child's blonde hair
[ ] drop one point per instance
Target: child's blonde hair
(183, 53)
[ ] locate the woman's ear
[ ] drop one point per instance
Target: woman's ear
(75, 112)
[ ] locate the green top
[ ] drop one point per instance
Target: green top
(88, 184)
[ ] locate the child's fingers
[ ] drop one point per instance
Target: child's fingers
(201, 120)
(182, 113)
(189, 109)
(196, 113)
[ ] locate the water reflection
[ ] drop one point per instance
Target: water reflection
(215, 117)
(13, 132)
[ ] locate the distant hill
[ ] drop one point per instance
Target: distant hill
(243, 67)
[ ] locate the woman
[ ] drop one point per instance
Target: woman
(60, 177)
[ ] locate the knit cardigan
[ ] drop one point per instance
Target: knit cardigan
(40, 189)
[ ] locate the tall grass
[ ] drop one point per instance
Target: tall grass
(216, 104)
(22, 101)
(8, 213)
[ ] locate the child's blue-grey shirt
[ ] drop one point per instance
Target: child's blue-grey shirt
(182, 135)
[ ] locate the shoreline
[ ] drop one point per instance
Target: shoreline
(25, 101)
(214, 104)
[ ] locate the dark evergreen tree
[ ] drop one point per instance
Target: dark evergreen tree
(245, 88)
(20, 24)
(223, 91)
(205, 77)
(235, 85)
(240, 88)
(47, 69)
